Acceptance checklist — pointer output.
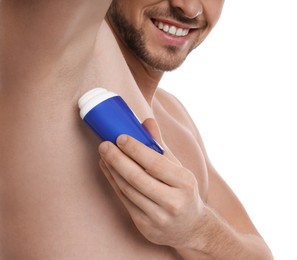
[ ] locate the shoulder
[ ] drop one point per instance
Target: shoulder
(174, 108)
(170, 106)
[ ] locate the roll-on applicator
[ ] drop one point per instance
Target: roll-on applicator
(109, 116)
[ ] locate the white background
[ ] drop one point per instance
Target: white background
(240, 88)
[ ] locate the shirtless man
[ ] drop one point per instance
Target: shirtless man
(55, 202)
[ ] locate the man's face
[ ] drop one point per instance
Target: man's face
(163, 32)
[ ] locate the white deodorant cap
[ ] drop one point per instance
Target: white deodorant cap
(92, 98)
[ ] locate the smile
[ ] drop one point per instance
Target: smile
(171, 29)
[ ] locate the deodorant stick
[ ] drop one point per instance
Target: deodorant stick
(109, 116)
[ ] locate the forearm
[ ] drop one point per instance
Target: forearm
(217, 240)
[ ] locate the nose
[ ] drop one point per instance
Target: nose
(190, 8)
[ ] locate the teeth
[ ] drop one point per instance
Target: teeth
(166, 28)
(172, 29)
(179, 32)
(159, 25)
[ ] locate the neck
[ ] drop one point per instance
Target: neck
(146, 77)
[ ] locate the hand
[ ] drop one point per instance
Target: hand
(161, 196)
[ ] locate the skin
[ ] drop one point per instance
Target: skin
(177, 199)
(55, 201)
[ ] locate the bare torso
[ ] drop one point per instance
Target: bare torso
(54, 201)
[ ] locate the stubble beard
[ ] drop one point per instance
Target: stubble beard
(136, 42)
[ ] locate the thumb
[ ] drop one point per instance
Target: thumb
(152, 127)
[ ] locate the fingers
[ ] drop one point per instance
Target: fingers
(159, 194)
(131, 174)
(158, 166)
(152, 127)
(129, 203)
(128, 195)
(138, 205)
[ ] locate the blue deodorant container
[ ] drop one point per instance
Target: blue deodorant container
(109, 116)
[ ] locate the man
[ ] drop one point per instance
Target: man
(178, 199)
(54, 202)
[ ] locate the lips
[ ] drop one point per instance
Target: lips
(171, 29)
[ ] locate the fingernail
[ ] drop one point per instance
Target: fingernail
(103, 148)
(122, 140)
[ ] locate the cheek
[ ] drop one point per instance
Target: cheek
(213, 11)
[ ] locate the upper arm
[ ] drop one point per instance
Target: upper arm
(220, 196)
(223, 200)
(103, 7)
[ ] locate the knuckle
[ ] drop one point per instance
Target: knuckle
(189, 182)
(161, 220)
(142, 223)
(175, 208)
(128, 191)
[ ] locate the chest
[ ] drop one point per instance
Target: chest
(183, 144)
